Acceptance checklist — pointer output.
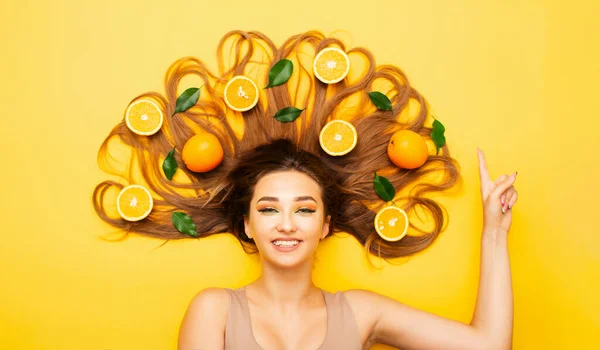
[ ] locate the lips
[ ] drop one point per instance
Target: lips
(286, 239)
(286, 247)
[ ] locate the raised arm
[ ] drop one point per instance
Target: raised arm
(494, 309)
(402, 326)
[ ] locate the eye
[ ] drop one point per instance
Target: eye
(267, 210)
(272, 210)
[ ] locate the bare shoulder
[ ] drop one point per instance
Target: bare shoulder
(362, 303)
(367, 299)
(211, 294)
(360, 297)
(214, 301)
(203, 325)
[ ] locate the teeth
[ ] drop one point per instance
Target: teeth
(286, 243)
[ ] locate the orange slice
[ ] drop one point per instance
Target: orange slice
(331, 65)
(134, 203)
(143, 117)
(391, 223)
(338, 137)
(241, 93)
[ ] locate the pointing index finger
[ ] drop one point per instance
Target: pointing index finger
(483, 171)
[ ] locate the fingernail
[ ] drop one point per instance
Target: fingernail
(503, 210)
(509, 206)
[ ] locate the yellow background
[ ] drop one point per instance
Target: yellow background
(517, 78)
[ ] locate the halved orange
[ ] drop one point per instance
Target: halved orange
(241, 93)
(391, 223)
(134, 203)
(331, 65)
(338, 137)
(143, 117)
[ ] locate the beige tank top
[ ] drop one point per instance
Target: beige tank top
(342, 331)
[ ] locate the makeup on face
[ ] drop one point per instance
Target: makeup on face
(286, 212)
(305, 204)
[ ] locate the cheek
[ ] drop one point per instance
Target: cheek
(310, 225)
(262, 223)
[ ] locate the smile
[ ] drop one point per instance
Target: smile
(286, 246)
(286, 243)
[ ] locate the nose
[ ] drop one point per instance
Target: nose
(286, 224)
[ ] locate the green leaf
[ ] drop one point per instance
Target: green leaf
(288, 114)
(184, 223)
(380, 101)
(170, 165)
(384, 188)
(280, 73)
(437, 135)
(186, 100)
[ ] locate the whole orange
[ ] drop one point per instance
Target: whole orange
(202, 153)
(407, 149)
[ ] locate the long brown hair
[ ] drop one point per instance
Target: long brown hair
(215, 200)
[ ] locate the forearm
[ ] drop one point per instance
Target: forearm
(494, 309)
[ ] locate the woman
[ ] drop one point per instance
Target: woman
(283, 309)
(249, 195)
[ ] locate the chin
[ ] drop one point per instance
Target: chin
(285, 262)
(294, 258)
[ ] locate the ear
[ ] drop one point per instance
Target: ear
(247, 227)
(326, 227)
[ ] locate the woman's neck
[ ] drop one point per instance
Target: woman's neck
(287, 288)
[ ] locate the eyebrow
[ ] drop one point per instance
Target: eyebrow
(297, 199)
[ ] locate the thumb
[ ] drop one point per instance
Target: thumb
(500, 179)
(504, 185)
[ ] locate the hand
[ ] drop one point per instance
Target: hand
(497, 197)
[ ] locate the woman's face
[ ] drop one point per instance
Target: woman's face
(286, 205)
